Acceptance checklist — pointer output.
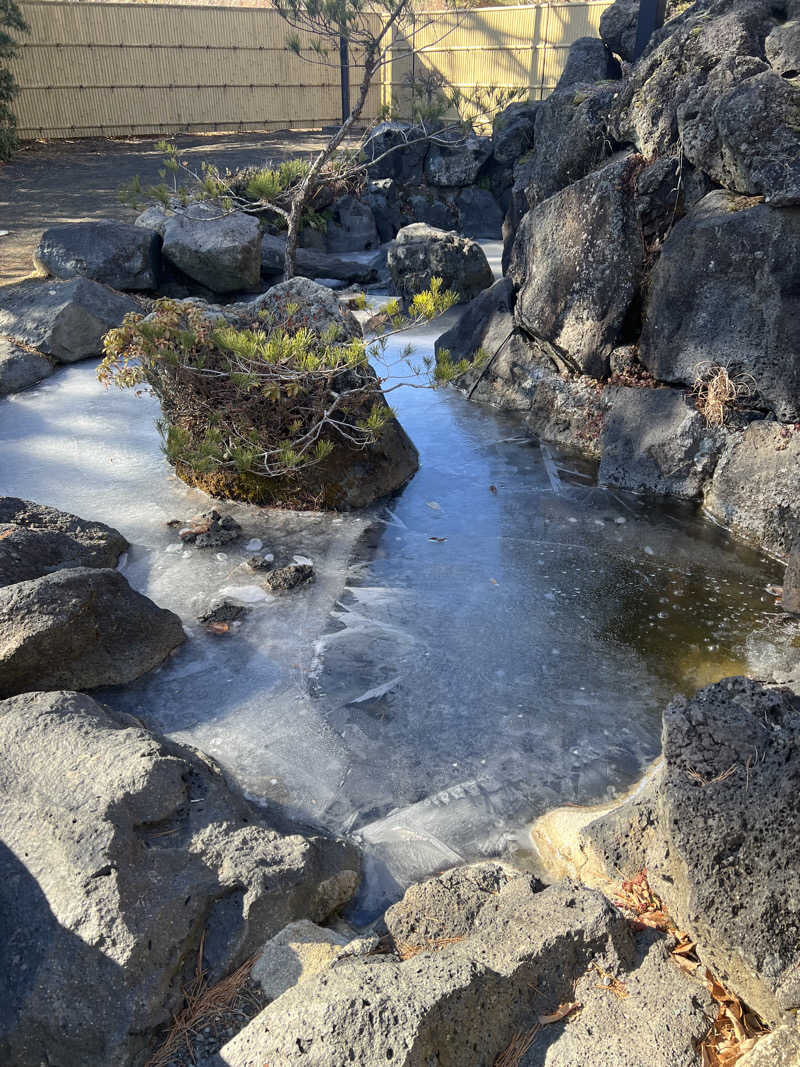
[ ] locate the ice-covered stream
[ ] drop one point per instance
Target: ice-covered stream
(499, 638)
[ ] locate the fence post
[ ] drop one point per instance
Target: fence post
(344, 75)
(651, 18)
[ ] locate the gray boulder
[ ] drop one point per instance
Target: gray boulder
(588, 60)
(310, 263)
(781, 1048)
(726, 290)
(78, 629)
(782, 48)
(316, 308)
(791, 581)
(433, 210)
(63, 319)
(571, 138)
(479, 214)
(716, 831)
(755, 491)
(37, 540)
(120, 855)
(351, 226)
(21, 367)
(748, 139)
(420, 253)
(396, 150)
(485, 323)
(655, 441)
(513, 130)
(153, 218)
(577, 262)
(512, 954)
(455, 158)
(223, 254)
(383, 196)
(114, 253)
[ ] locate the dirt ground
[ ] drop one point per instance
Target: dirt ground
(67, 181)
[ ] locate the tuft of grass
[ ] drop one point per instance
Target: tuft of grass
(717, 391)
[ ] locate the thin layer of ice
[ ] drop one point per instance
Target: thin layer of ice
(453, 670)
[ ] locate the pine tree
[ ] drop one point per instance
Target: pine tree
(12, 24)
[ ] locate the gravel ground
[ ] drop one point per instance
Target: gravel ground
(67, 181)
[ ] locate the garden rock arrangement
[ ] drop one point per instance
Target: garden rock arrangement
(67, 618)
(475, 957)
(630, 266)
(123, 857)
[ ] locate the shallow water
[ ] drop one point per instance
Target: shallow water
(498, 639)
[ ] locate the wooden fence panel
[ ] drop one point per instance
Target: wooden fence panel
(126, 68)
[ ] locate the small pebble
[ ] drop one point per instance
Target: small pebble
(254, 545)
(220, 556)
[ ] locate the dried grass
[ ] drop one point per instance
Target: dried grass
(202, 1005)
(717, 390)
(520, 1043)
(697, 777)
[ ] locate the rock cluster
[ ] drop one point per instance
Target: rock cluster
(68, 619)
(651, 244)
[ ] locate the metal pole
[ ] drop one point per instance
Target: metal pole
(344, 69)
(651, 18)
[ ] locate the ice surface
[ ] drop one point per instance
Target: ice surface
(428, 696)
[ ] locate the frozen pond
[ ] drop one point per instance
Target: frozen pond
(498, 639)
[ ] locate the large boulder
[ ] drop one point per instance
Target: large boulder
(351, 226)
(21, 367)
(588, 60)
(513, 130)
(755, 491)
(475, 972)
(748, 139)
(37, 540)
(396, 150)
(314, 307)
(122, 857)
(421, 252)
(432, 209)
(571, 138)
(455, 158)
(716, 829)
(654, 441)
(726, 290)
(78, 629)
(577, 263)
(115, 253)
(63, 319)
(479, 214)
(221, 253)
(782, 48)
(485, 323)
(310, 263)
(383, 195)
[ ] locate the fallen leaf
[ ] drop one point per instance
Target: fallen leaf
(434, 505)
(441, 540)
(218, 628)
(492, 488)
(494, 581)
(561, 1012)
